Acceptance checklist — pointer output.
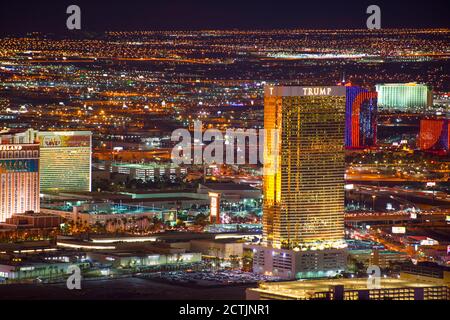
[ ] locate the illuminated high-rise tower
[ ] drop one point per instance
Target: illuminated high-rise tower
(65, 160)
(303, 217)
(304, 196)
(65, 157)
(403, 97)
(19, 179)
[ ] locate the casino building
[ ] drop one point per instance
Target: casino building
(65, 157)
(19, 179)
(405, 97)
(303, 183)
(65, 160)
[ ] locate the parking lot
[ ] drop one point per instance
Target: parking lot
(207, 278)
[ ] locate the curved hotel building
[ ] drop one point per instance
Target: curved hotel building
(360, 118)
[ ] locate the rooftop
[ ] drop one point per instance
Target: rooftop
(151, 165)
(305, 289)
(228, 186)
(34, 214)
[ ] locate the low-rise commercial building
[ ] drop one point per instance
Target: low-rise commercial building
(147, 171)
(39, 263)
(218, 248)
(295, 264)
(426, 272)
(381, 258)
(230, 191)
(142, 260)
(31, 219)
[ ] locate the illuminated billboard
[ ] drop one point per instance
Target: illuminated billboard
(295, 91)
(399, 230)
(214, 207)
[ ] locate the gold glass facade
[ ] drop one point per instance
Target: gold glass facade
(304, 174)
(65, 161)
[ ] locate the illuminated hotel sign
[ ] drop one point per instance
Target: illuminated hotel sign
(214, 207)
(29, 165)
(10, 147)
(316, 91)
(304, 91)
(52, 140)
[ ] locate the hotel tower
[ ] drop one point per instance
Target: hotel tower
(405, 97)
(19, 179)
(303, 205)
(65, 160)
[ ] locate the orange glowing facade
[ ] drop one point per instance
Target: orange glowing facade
(434, 134)
(19, 179)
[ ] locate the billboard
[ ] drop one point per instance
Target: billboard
(214, 207)
(399, 230)
(293, 91)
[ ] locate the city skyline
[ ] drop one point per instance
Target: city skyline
(224, 151)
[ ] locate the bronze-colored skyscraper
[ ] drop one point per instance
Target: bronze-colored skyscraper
(304, 180)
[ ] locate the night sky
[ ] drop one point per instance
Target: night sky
(19, 16)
